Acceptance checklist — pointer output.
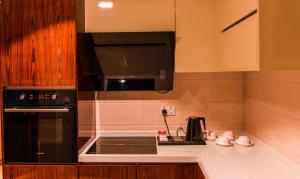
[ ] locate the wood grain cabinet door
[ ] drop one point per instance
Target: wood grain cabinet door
(168, 172)
(37, 42)
(107, 172)
(40, 172)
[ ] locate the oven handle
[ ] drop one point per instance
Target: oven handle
(36, 110)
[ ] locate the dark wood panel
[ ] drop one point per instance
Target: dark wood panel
(107, 172)
(1, 129)
(166, 172)
(40, 171)
(198, 172)
(37, 42)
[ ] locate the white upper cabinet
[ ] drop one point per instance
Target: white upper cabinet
(279, 31)
(229, 11)
(238, 47)
(267, 40)
(129, 15)
(195, 38)
(237, 37)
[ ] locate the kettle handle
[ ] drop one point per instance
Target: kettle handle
(203, 120)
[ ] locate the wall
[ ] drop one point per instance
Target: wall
(272, 105)
(217, 96)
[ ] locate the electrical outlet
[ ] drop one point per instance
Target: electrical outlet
(171, 111)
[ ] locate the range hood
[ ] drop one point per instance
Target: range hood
(125, 61)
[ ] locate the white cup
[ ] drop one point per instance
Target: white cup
(228, 134)
(223, 140)
(243, 140)
(211, 135)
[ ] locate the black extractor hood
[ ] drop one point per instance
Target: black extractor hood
(127, 61)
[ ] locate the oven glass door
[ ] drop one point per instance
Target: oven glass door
(41, 136)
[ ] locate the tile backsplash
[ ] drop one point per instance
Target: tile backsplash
(265, 104)
(219, 97)
(272, 109)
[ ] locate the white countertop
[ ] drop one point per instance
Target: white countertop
(216, 162)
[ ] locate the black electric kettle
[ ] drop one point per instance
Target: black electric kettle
(194, 128)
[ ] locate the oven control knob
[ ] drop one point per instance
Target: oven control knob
(54, 96)
(22, 97)
(31, 97)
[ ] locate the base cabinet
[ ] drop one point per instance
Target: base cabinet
(141, 171)
(104, 171)
(166, 172)
(40, 172)
(107, 172)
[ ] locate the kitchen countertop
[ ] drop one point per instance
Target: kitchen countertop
(216, 162)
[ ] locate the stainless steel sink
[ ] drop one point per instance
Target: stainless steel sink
(124, 145)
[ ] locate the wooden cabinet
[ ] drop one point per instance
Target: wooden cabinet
(1, 114)
(128, 16)
(40, 172)
(37, 48)
(188, 171)
(267, 40)
(107, 172)
(195, 38)
(141, 171)
(37, 42)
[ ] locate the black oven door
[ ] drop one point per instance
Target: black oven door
(40, 135)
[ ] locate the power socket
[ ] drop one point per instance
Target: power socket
(171, 111)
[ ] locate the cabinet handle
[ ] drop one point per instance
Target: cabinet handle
(239, 21)
(14, 110)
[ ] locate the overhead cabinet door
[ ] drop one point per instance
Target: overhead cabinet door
(237, 35)
(229, 11)
(238, 47)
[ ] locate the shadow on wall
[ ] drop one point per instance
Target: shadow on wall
(33, 30)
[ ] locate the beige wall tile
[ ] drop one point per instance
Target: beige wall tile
(189, 89)
(273, 109)
(91, 130)
(122, 128)
(184, 109)
(121, 113)
(282, 97)
(225, 113)
(214, 75)
(223, 127)
(226, 90)
(192, 93)
(286, 76)
(117, 95)
(258, 119)
(86, 112)
(281, 132)
(163, 127)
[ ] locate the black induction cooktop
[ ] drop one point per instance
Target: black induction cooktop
(124, 146)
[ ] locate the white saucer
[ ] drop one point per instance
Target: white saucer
(212, 139)
(224, 145)
(245, 145)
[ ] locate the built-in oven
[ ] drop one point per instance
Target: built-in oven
(40, 125)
